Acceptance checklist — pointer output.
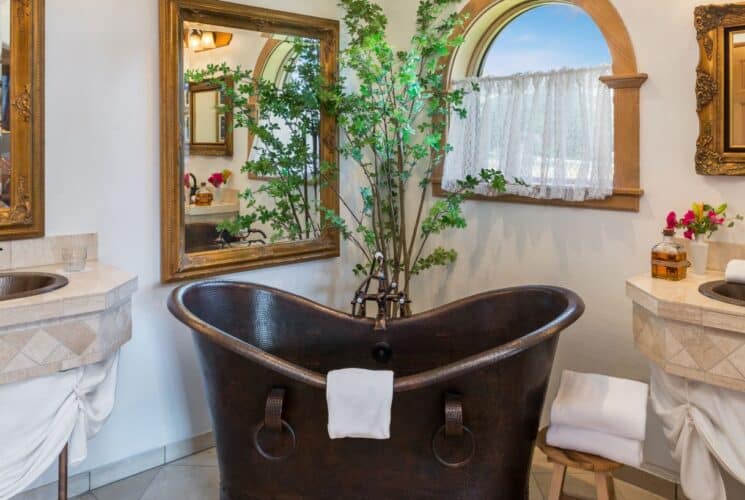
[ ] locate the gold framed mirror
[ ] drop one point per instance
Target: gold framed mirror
(21, 119)
(720, 89)
(243, 180)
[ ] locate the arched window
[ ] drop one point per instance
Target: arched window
(545, 38)
(558, 103)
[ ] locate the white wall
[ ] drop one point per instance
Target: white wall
(102, 119)
(103, 176)
(591, 251)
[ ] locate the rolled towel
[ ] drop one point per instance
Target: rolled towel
(601, 403)
(735, 272)
(359, 403)
(622, 450)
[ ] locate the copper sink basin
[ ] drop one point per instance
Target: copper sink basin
(18, 285)
(731, 293)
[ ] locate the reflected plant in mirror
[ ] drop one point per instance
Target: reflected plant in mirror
(282, 115)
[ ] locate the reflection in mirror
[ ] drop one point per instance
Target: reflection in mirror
(5, 169)
(736, 105)
(259, 92)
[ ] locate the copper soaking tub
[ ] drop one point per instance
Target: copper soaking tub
(470, 381)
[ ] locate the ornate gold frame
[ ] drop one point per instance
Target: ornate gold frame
(175, 263)
(626, 82)
(25, 217)
(711, 21)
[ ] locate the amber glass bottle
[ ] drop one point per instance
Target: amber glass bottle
(669, 260)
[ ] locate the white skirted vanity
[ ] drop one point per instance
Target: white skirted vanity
(58, 356)
(696, 346)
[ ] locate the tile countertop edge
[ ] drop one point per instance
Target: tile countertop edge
(686, 299)
(108, 287)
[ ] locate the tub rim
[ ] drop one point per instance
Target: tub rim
(574, 309)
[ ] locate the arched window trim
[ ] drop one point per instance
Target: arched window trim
(625, 81)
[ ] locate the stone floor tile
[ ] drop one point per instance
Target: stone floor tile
(185, 483)
(131, 488)
(207, 458)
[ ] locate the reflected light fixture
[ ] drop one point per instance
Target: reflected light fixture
(195, 40)
(208, 40)
(200, 40)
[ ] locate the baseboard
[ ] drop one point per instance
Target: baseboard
(122, 469)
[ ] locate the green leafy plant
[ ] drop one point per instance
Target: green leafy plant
(393, 125)
(284, 118)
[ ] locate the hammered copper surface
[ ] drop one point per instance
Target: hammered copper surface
(18, 285)
(730, 293)
(493, 350)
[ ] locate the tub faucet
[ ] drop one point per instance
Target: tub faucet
(386, 297)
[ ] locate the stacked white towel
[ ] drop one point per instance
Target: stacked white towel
(602, 415)
(735, 272)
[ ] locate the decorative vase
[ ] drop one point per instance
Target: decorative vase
(218, 194)
(699, 254)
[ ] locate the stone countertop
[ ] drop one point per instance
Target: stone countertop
(681, 301)
(82, 323)
(97, 288)
(687, 334)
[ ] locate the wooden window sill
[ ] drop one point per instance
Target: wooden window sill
(623, 200)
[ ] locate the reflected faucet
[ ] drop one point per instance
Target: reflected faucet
(386, 298)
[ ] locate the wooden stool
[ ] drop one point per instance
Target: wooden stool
(601, 467)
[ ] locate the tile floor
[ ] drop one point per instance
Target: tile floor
(197, 478)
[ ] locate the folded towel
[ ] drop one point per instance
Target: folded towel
(359, 403)
(735, 272)
(601, 403)
(622, 450)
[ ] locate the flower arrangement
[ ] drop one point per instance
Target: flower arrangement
(701, 219)
(220, 178)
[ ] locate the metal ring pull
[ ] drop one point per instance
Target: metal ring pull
(273, 421)
(454, 428)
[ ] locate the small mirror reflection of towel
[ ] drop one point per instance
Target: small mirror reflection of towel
(359, 403)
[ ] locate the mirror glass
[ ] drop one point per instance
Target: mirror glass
(5, 170)
(736, 91)
(251, 169)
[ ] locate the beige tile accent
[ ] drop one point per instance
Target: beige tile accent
(40, 346)
(17, 340)
(737, 359)
(18, 363)
(60, 353)
(684, 359)
(7, 352)
(672, 346)
(77, 336)
(726, 342)
(726, 369)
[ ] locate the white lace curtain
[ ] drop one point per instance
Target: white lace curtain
(553, 131)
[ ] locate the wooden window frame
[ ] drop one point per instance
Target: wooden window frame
(626, 82)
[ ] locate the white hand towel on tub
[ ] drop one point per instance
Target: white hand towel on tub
(735, 272)
(359, 403)
(625, 451)
(601, 403)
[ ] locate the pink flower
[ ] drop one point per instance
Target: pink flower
(714, 219)
(187, 181)
(689, 234)
(672, 220)
(689, 218)
(216, 179)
